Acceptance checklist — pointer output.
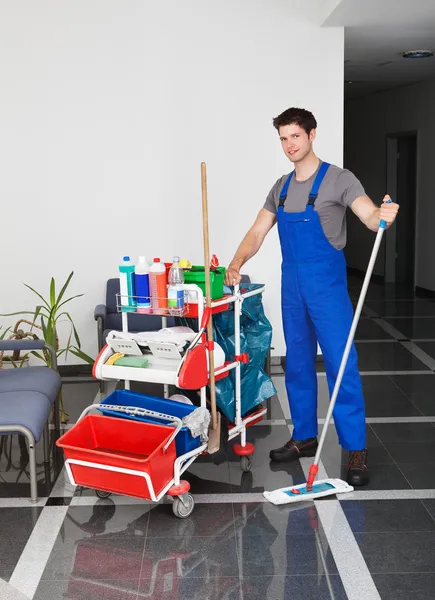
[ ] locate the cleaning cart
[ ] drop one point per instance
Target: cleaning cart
(131, 447)
(142, 452)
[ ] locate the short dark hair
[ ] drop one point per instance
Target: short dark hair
(296, 116)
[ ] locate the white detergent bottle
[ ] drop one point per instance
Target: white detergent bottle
(142, 284)
(175, 289)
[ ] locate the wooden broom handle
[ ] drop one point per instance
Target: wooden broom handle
(208, 290)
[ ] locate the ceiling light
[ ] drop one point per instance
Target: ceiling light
(417, 54)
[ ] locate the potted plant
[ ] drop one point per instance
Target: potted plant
(49, 312)
(15, 360)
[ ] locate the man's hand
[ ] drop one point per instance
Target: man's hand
(232, 276)
(372, 215)
(388, 212)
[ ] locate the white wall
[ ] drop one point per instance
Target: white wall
(369, 120)
(106, 111)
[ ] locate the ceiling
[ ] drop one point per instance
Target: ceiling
(377, 32)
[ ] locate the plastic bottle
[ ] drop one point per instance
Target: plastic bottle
(142, 284)
(158, 287)
(126, 284)
(175, 291)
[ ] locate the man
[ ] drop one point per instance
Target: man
(309, 206)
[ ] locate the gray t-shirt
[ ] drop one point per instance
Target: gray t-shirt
(338, 191)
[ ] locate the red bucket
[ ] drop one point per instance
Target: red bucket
(123, 444)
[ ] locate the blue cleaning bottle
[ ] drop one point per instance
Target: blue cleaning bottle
(126, 284)
(142, 283)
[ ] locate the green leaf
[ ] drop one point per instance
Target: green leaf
(44, 328)
(37, 313)
(21, 312)
(69, 300)
(38, 294)
(38, 355)
(62, 291)
(76, 335)
(82, 355)
(5, 332)
(52, 292)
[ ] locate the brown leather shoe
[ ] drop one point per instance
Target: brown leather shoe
(294, 449)
(357, 470)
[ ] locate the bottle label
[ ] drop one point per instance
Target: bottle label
(143, 289)
(175, 298)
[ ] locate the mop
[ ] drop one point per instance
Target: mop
(328, 487)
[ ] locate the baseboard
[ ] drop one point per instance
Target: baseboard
(424, 293)
(75, 370)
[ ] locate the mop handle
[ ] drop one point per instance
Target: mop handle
(314, 468)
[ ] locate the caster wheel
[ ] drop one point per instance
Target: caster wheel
(183, 507)
(246, 463)
(102, 494)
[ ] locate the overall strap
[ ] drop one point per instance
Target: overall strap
(283, 194)
(317, 183)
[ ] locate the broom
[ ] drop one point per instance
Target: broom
(215, 430)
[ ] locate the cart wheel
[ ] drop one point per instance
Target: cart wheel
(246, 463)
(102, 494)
(183, 506)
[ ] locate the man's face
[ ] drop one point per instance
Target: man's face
(295, 142)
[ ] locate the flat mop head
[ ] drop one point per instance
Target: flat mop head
(299, 493)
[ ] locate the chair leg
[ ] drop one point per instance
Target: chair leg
(46, 439)
(56, 416)
(32, 466)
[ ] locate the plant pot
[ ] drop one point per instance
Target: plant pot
(20, 363)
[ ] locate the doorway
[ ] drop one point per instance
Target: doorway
(402, 187)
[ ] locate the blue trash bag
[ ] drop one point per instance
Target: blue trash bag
(255, 340)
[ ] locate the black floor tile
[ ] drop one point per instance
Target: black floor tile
(106, 518)
(266, 519)
(382, 516)
(413, 384)
(382, 476)
(268, 476)
(368, 329)
(409, 452)
(402, 308)
(430, 506)
(404, 433)
(291, 555)
(16, 526)
(379, 404)
(387, 357)
(103, 558)
(398, 586)
(420, 475)
(392, 356)
(415, 328)
(209, 478)
(309, 587)
(424, 402)
(396, 553)
(200, 556)
(428, 347)
(190, 588)
(205, 521)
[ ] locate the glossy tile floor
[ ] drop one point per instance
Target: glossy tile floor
(376, 543)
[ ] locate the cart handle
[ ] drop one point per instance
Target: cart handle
(135, 411)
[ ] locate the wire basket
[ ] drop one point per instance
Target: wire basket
(156, 306)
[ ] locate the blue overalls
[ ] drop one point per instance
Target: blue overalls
(316, 307)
